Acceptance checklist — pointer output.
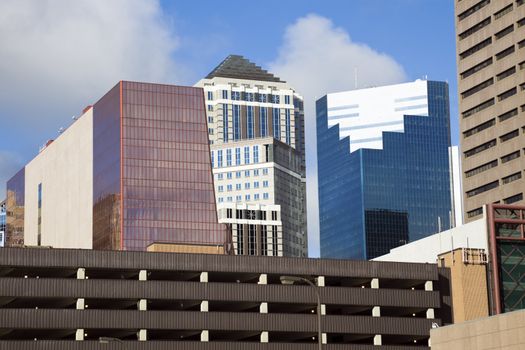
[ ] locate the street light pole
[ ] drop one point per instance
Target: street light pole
(292, 280)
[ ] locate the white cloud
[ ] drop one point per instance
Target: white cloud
(317, 58)
(58, 56)
(10, 163)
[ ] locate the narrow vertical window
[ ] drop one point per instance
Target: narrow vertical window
(247, 155)
(249, 119)
(263, 122)
(276, 122)
(240, 239)
(237, 156)
(288, 131)
(236, 122)
(256, 154)
(219, 159)
(225, 122)
(228, 157)
(212, 159)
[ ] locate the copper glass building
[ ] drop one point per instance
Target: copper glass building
(146, 179)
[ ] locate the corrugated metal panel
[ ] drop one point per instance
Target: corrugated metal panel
(126, 289)
(191, 320)
(170, 345)
(221, 263)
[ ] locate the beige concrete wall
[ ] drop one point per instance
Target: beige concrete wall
(65, 170)
(504, 331)
(469, 283)
(185, 248)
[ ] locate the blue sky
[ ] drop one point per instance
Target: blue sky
(57, 56)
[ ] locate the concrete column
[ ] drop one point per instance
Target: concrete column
(263, 308)
(142, 335)
(204, 306)
(143, 275)
(263, 279)
(205, 336)
(204, 277)
(81, 304)
(377, 339)
(81, 273)
(429, 286)
(265, 337)
(79, 335)
(142, 305)
(376, 311)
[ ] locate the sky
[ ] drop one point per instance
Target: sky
(58, 56)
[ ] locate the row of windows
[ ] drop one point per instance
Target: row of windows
(503, 138)
(475, 48)
(494, 184)
(245, 157)
(238, 186)
(477, 88)
(250, 96)
(474, 28)
(238, 174)
(485, 125)
(239, 198)
(473, 9)
(250, 214)
(481, 168)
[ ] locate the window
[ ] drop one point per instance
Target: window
(506, 73)
(240, 239)
(265, 183)
(475, 212)
(474, 28)
(503, 12)
(219, 158)
(256, 197)
(263, 98)
(477, 88)
(238, 198)
(484, 188)
(256, 184)
(265, 196)
(229, 213)
(229, 188)
(221, 188)
(287, 124)
(480, 148)
(505, 31)
(274, 215)
(249, 96)
(220, 176)
(287, 99)
(246, 155)
(237, 156)
(263, 122)
(505, 52)
(247, 197)
(521, 43)
(225, 94)
(478, 108)
(229, 175)
(476, 68)
(247, 186)
(475, 48)
(247, 173)
(276, 123)
(236, 95)
(481, 168)
(516, 198)
(510, 156)
(236, 122)
(507, 94)
(238, 174)
(520, 2)
(212, 160)
(508, 115)
(256, 154)
(265, 171)
(210, 131)
(473, 9)
(249, 122)
(479, 128)
(225, 121)
(221, 199)
(255, 172)
(238, 187)
(229, 199)
(210, 108)
(510, 135)
(275, 99)
(228, 157)
(510, 178)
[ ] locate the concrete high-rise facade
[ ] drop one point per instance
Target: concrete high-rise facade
(256, 133)
(384, 167)
(491, 79)
(134, 169)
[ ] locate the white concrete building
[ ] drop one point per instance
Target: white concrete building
(256, 132)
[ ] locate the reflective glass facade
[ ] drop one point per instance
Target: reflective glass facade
(15, 210)
(409, 179)
(153, 179)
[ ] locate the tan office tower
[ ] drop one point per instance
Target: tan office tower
(491, 80)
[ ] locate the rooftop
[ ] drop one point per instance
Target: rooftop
(238, 67)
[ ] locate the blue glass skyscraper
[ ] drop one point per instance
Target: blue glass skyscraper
(383, 166)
